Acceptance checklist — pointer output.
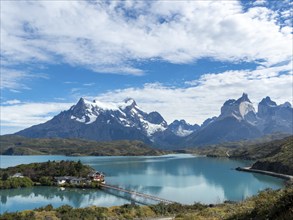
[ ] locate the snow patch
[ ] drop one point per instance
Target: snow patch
(183, 132)
(101, 105)
(92, 118)
(152, 128)
(245, 107)
(82, 120)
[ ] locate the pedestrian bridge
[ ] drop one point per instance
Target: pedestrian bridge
(135, 196)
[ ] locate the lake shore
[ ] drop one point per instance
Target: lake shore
(267, 204)
(147, 175)
(274, 174)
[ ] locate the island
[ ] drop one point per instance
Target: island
(51, 173)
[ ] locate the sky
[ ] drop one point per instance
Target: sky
(183, 59)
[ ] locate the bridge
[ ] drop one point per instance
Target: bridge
(134, 195)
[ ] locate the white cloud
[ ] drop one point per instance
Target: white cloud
(113, 36)
(88, 84)
(14, 79)
(202, 98)
(12, 102)
(19, 116)
(11, 79)
(109, 36)
(259, 2)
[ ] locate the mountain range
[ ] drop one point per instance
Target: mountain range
(99, 121)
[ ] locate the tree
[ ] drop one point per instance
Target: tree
(5, 176)
(46, 181)
(78, 166)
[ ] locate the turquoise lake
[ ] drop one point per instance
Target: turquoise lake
(182, 178)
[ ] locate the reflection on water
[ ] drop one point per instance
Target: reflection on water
(29, 198)
(182, 178)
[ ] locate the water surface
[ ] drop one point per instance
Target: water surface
(182, 178)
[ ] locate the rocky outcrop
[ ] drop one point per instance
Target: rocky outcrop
(277, 167)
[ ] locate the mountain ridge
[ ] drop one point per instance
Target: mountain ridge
(95, 120)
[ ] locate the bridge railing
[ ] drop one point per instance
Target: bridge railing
(134, 193)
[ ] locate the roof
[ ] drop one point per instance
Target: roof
(78, 179)
(95, 173)
(64, 177)
(17, 175)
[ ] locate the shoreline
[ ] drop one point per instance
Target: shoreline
(269, 173)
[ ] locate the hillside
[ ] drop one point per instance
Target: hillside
(279, 162)
(18, 145)
(275, 156)
(248, 150)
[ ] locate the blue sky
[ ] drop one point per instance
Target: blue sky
(181, 58)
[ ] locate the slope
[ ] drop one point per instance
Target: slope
(17, 145)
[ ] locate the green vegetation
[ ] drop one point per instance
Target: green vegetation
(41, 173)
(18, 145)
(268, 204)
(281, 161)
(249, 150)
(275, 156)
(16, 183)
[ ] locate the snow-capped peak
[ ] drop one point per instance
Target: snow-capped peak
(128, 103)
(182, 128)
(126, 113)
(102, 105)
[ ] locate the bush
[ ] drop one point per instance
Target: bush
(46, 181)
(5, 176)
(45, 208)
(64, 209)
(16, 183)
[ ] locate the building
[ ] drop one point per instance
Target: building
(92, 177)
(77, 181)
(97, 176)
(17, 175)
(60, 180)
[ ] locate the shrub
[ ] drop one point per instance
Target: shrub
(46, 181)
(16, 183)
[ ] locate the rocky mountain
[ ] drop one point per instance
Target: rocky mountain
(99, 121)
(182, 128)
(208, 121)
(240, 121)
(242, 109)
(102, 122)
(273, 117)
